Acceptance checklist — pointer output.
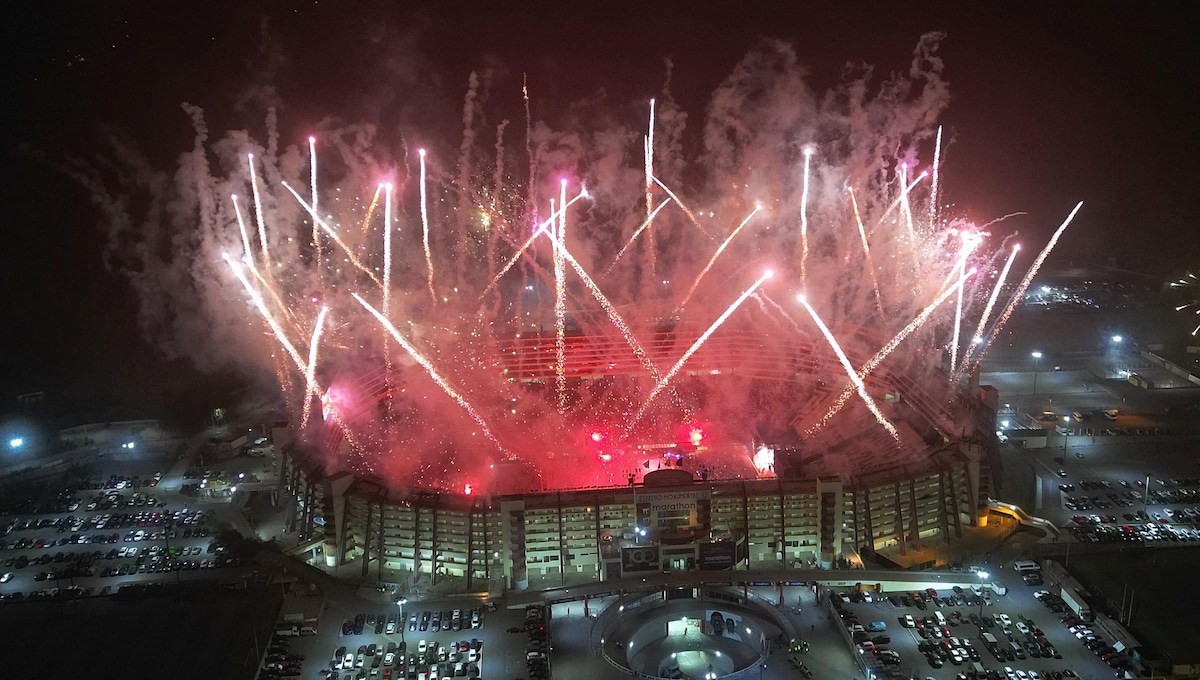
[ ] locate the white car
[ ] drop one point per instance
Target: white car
(389, 658)
(1024, 630)
(8, 576)
(1004, 619)
(422, 646)
(472, 656)
(348, 662)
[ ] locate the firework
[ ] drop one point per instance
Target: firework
(666, 379)
(857, 381)
(987, 309)
(258, 214)
(425, 229)
(429, 368)
(712, 260)
(541, 362)
(1021, 287)
(808, 152)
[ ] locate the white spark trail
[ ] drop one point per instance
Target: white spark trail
(808, 152)
(333, 235)
(857, 381)
(247, 252)
(431, 370)
(387, 247)
(883, 353)
(537, 231)
(987, 309)
(662, 382)
(636, 232)
(862, 233)
(686, 210)
(316, 231)
(258, 211)
(713, 259)
(560, 302)
(1021, 287)
(310, 374)
(425, 229)
(933, 189)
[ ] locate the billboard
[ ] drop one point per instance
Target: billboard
(717, 555)
(674, 511)
(639, 558)
(722, 624)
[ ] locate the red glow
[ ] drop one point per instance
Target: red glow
(695, 436)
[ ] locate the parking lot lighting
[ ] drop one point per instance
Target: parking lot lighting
(16, 443)
(1117, 338)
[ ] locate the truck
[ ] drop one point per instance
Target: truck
(1077, 604)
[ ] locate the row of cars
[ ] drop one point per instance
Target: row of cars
(448, 619)
(1081, 630)
(280, 662)
(537, 649)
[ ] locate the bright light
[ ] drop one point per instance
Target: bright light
(16, 443)
(241, 475)
(1117, 338)
(1045, 289)
(467, 489)
(1003, 423)
(1036, 355)
(597, 436)
(696, 436)
(983, 575)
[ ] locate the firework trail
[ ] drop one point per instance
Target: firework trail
(862, 234)
(1020, 292)
(310, 375)
(560, 301)
(316, 231)
(662, 382)
(882, 354)
(1185, 283)
(902, 200)
(905, 208)
(636, 232)
(713, 259)
(537, 231)
(649, 143)
(387, 248)
(350, 256)
(962, 270)
(808, 152)
(858, 383)
(933, 189)
(425, 229)
(686, 211)
(258, 212)
(431, 370)
(613, 315)
(987, 309)
(366, 223)
(237, 210)
(280, 335)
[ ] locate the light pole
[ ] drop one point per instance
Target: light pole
(1037, 360)
(400, 602)
(982, 577)
(1066, 439)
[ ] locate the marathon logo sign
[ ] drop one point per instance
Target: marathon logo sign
(639, 558)
(674, 510)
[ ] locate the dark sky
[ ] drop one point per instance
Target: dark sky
(1051, 105)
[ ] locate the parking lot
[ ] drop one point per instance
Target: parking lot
(1026, 634)
(106, 533)
(429, 642)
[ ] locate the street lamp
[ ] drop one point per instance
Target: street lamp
(400, 602)
(1037, 360)
(982, 577)
(1066, 439)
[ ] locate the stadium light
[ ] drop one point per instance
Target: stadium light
(16, 443)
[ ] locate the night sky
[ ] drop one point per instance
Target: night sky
(1083, 101)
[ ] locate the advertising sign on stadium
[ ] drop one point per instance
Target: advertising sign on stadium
(639, 558)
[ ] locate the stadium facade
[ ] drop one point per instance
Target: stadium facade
(833, 498)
